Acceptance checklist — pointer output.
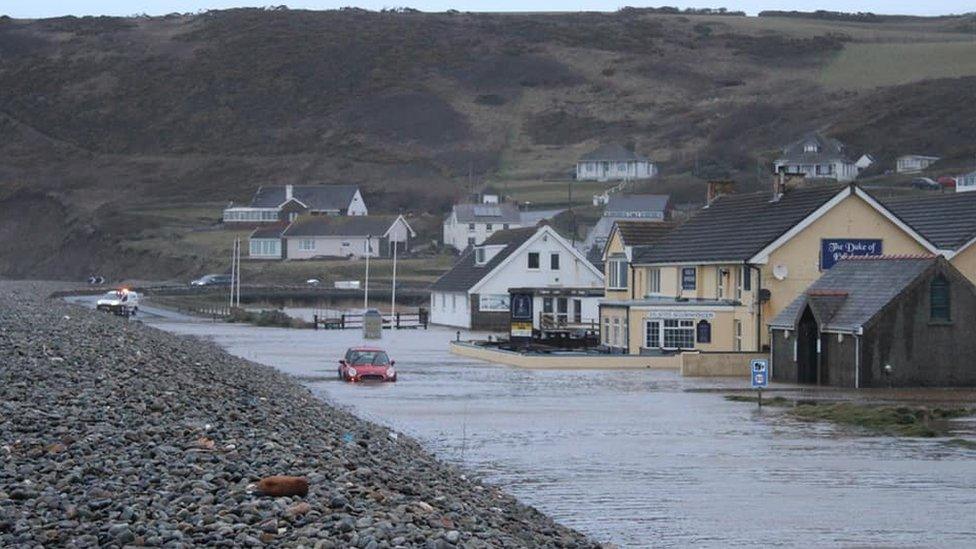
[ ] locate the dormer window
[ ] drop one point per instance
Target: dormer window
(484, 254)
(811, 148)
(479, 256)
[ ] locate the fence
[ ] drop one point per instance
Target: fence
(349, 321)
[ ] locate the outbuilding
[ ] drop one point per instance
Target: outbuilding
(883, 321)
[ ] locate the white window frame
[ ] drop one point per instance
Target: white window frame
(719, 284)
(737, 327)
(306, 244)
(616, 332)
(618, 271)
(479, 256)
(653, 281)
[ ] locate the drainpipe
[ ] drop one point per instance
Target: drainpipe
(857, 361)
(757, 291)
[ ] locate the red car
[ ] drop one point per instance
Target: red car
(367, 364)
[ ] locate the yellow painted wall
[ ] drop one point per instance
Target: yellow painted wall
(723, 333)
(966, 263)
(852, 218)
(612, 314)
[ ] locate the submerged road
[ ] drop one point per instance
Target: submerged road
(635, 457)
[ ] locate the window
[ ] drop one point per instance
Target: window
(345, 244)
(939, 300)
(471, 227)
(606, 331)
(746, 278)
(444, 301)
(505, 226)
(533, 260)
(653, 336)
(306, 244)
(720, 283)
(618, 274)
(547, 305)
(554, 262)
(453, 303)
(562, 310)
(470, 241)
(479, 256)
(616, 332)
(679, 334)
(488, 227)
(689, 278)
(578, 311)
(654, 280)
(738, 334)
(704, 331)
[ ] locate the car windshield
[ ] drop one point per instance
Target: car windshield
(366, 358)
(114, 295)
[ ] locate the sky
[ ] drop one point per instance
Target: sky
(54, 8)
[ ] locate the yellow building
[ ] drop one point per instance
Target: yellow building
(712, 283)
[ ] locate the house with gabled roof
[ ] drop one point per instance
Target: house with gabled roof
(714, 282)
(274, 203)
(470, 224)
(614, 162)
(317, 236)
(815, 156)
(474, 294)
(914, 163)
(620, 207)
(883, 321)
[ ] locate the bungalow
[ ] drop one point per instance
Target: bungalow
(475, 292)
(265, 242)
(470, 224)
(966, 182)
(914, 163)
(614, 163)
(864, 162)
(879, 322)
(310, 237)
(274, 203)
(712, 283)
(816, 157)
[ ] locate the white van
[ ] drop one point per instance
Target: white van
(122, 302)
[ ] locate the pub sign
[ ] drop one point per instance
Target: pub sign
(832, 249)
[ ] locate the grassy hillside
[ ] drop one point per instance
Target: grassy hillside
(121, 138)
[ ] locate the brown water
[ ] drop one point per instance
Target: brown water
(632, 457)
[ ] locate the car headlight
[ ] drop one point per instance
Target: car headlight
(352, 371)
(390, 372)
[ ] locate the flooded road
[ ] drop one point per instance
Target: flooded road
(632, 457)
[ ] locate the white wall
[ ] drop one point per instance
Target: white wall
(357, 206)
(614, 171)
(450, 309)
(330, 246)
(456, 234)
(841, 171)
(573, 272)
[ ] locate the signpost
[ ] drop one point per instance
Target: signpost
(760, 376)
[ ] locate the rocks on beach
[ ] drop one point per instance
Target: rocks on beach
(115, 434)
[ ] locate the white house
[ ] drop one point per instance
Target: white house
(816, 157)
(914, 163)
(274, 203)
(311, 237)
(620, 207)
(265, 242)
(966, 182)
(474, 294)
(614, 163)
(471, 224)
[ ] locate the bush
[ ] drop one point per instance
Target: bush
(265, 318)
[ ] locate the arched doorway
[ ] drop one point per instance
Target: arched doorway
(806, 348)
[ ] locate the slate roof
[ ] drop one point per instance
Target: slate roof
(270, 231)
(620, 205)
(345, 225)
(735, 227)
(946, 220)
(612, 152)
(643, 233)
(854, 290)
(316, 197)
(465, 274)
(830, 150)
(504, 212)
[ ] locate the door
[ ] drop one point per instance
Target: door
(577, 311)
(562, 311)
(806, 348)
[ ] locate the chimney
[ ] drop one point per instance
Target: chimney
(719, 187)
(288, 192)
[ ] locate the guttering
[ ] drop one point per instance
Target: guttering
(758, 291)
(857, 362)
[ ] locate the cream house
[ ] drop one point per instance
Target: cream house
(713, 283)
(614, 163)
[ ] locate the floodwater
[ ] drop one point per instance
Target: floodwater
(633, 457)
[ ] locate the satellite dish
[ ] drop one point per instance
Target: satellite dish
(780, 272)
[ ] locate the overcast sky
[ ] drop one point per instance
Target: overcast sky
(53, 8)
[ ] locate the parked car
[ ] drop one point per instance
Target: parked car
(367, 364)
(212, 280)
(122, 302)
(947, 182)
(926, 184)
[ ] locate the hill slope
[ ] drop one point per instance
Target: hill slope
(115, 131)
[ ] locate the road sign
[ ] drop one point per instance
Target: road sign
(760, 373)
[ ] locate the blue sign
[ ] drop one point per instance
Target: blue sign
(760, 373)
(832, 249)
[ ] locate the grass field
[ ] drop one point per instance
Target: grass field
(553, 193)
(869, 65)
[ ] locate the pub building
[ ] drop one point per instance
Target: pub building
(713, 283)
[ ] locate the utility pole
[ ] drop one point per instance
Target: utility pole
(369, 249)
(393, 298)
(238, 271)
(233, 271)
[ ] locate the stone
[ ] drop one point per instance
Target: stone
(280, 486)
